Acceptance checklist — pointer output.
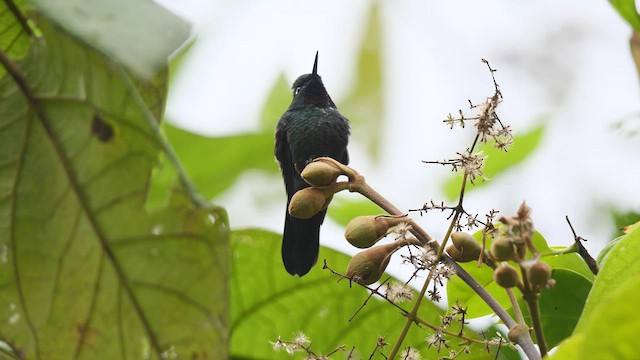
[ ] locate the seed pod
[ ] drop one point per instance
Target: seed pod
(538, 274)
(506, 276)
(467, 246)
(320, 173)
(307, 202)
(364, 231)
(501, 249)
(367, 266)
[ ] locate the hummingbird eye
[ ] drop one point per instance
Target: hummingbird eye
(297, 90)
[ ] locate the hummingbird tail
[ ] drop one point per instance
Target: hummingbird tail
(301, 242)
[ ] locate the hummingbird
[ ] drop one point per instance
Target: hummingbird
(311, 127)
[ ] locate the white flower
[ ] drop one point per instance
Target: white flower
(398, 292)
(410, 354)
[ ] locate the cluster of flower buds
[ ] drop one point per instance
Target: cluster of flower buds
(321, 175)
(367, 266)
(511, 245)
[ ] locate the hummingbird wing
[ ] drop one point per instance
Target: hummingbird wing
(301, 237)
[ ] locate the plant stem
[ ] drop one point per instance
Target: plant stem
(524, 340)
(357, 184)
(515, 306)
(534, 312)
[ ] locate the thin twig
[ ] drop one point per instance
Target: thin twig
(582, 251)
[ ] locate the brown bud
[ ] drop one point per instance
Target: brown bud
(517, 331)
(538, 273)
(307, 202)
(467, 246)
(506, 276)
(457, 255)
(320, 173)
(367, 266)
(364, 231)
(502, 249)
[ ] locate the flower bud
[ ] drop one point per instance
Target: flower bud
(501, 249)
(517, 331)
(320, 173)
(367, 266)
(364, 231)
(458, 256)
(307, 202)
(466, 245)
(506, 276)
(538, 273)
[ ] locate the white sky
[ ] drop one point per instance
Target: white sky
(566, 64)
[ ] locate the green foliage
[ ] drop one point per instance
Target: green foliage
(565, 301)
(14, 37)
(141, 38)
(268, 302)
(627, 9)
(277, 102)
(498, 161)
(203, 157)
(607, 326)
(344, 210)
(620, 267)
(85, 271)
(561, 306)
(363, 106)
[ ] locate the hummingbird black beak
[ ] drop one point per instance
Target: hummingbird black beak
(315, 65)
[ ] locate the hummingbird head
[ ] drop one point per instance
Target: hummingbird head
(309, 90)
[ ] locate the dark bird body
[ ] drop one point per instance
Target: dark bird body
(311, 127)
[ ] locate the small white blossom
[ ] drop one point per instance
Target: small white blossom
(401, 229)
(473, 164)
(410, 354)
(398, 292)
(278, 344)
(301, 339)
(429, 255)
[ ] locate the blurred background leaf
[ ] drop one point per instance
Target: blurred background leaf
(627, 9)
(497, 161)
(364, 106)
(343, 210)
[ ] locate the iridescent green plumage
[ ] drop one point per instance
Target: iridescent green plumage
(311, 127)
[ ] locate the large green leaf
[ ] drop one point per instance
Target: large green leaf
(85, 271)
(140, 34)
(620, 266)
(267, 303)
(14, 30)
(610, 331)
(497, 161)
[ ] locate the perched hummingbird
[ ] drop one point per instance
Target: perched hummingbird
(310, 128)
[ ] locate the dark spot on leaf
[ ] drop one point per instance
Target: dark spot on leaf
(102, 130)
